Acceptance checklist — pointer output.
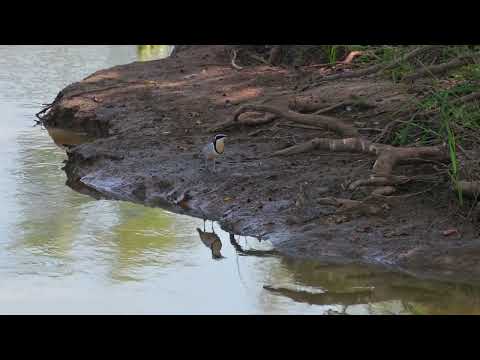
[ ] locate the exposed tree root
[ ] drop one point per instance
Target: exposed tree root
(376, 204)
(384, 182)
(327, 122)
(314, 104)
(367, 207)
(387, 157)
(246, 120)
(300, 126)
(442, 68)
(384, 191)
(467, 98)
(469, 188)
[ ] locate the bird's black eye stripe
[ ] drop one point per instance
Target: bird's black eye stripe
(215, 139)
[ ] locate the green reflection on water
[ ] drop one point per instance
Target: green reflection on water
(153, 52)
(370, 290)
(142, 236)
(56, 222)
(47, 220)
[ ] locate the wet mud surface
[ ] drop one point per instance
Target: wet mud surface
(151, 120)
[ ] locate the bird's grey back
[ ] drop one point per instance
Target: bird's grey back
(208, 149)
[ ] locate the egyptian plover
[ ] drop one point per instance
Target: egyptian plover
(214, 149)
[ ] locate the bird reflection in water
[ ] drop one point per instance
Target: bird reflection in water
(212, 241)
(250, 252)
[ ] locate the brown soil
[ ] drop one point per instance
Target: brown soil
(153, 119)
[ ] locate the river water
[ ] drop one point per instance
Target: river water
(64, 252)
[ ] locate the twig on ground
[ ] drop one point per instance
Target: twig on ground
(234, 58)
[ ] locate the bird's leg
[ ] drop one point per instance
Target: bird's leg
(206, 163)
(204, 221)
(214, 161)
(213, 230)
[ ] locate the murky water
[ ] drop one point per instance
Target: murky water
(63, 252)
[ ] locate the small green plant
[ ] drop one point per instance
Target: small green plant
(446, 111)
(413, 131)
(332, 54)
(400, 71)
(452, 148)
(469, 72)
(456, 124)
(387, 54)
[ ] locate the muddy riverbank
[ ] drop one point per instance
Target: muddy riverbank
(152, 119)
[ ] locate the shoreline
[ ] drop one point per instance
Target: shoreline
(151, 119)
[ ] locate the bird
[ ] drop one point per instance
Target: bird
(212, 241)
(214, 149)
